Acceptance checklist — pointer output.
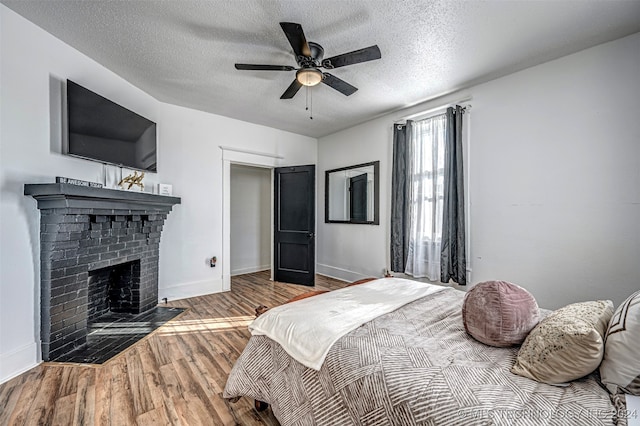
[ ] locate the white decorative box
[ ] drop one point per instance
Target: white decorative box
(165, 189)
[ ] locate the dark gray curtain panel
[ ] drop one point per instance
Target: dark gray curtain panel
(400, 197)
(453, 262)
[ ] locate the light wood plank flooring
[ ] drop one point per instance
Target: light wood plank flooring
(173, 377)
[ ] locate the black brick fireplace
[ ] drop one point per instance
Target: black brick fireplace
(99, 253)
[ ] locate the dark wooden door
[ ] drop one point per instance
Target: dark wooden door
(358, 198)
(295, 222)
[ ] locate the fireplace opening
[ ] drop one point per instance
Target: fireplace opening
(114, 289)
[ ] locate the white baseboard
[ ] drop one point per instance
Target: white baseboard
(192, 289)
(339, 273)
(14, 363)
(250, 270)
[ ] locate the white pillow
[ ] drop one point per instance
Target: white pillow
(620, 368)
(566, 345)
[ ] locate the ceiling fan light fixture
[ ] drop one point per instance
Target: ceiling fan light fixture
(309, 76)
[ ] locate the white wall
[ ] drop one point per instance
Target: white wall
(555, 184)
(34, 65)
(554, 179)
(250, 219)
(338, 199)
(346, 251)
(190, 158)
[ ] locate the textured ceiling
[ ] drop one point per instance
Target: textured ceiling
(183, 52)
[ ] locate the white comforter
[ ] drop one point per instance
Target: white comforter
(307, 329)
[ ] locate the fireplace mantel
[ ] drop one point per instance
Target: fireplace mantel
(64, 195)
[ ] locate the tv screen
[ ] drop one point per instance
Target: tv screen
(101, 130)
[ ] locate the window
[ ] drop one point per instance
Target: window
(427, 174)
(428, 238)
(426, 171)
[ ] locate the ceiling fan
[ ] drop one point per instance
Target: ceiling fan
(309, 56)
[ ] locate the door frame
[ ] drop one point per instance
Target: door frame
(231, 155)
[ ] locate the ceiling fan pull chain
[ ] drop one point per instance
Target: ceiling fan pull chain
(311, 104)
(306, 98)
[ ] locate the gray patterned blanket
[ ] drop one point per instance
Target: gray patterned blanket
(413, 366)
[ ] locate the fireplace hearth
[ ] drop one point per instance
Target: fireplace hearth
(99, 251)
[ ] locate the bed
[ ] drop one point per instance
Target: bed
(413, 366)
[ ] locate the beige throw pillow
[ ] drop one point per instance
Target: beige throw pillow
(566, 345)
(620, 368)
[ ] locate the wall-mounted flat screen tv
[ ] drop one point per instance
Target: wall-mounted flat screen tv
(101, 130)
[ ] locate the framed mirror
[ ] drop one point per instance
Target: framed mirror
(351, 194)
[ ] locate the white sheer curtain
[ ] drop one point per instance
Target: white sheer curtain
(426, 150)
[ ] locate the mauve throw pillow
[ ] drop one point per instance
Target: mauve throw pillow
(499, 313)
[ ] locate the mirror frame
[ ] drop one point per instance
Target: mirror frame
(376, 194)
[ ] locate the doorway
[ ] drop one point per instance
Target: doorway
(232, 156)
(250, 219)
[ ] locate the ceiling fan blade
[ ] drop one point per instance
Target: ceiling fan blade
(363, 55)
(338, 84)
(296, 38)
(291, 90)
(264, 67)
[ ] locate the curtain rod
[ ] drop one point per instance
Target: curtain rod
(432, 110)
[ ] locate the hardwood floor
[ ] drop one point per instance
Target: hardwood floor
(173, 377)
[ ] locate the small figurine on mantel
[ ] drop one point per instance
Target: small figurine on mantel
(133, 179)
